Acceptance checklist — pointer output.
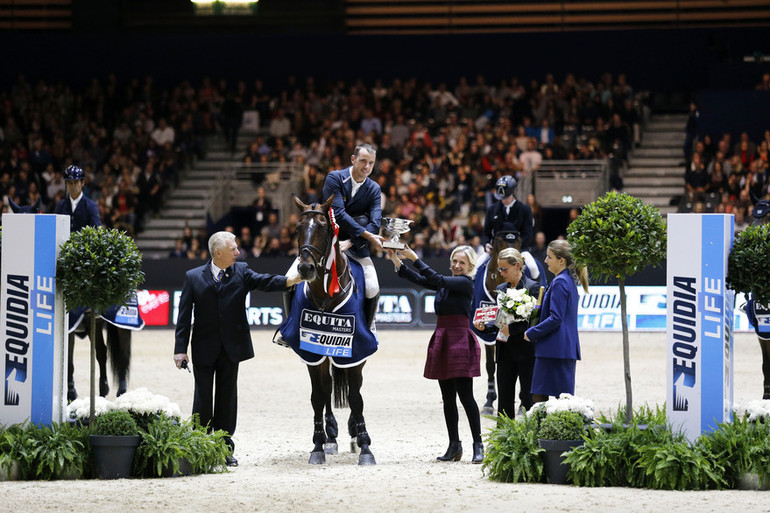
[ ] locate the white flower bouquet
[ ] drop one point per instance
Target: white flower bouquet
(514, 305)
(80, 409)
(756, 410)
(141, 403)
(566, 402)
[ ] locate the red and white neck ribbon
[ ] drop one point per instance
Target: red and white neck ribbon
(333, 283)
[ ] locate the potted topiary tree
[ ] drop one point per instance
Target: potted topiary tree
(559, 433)
(98, 268)
(617, 236)
(114, 437)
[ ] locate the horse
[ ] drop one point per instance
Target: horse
(486, 281)
(119, 321)
(327, 328)
(760, 216)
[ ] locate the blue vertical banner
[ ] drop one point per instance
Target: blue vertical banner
(34, 354)
(699, 313)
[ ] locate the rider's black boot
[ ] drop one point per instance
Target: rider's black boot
(370, 310)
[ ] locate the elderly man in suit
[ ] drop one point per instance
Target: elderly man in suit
(221, 338)
(358, 213)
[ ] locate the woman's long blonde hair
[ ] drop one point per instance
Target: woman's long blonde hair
(562, 249)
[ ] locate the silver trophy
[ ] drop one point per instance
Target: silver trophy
(396, 227)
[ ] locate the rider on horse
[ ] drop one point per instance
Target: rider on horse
(357, 210)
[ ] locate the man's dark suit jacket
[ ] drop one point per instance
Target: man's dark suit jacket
(86, 213)
(220, 316)
(366, 202)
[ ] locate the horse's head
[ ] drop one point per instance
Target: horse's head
(26, 209)
(314, 238)
(504, 238)
(761, 210)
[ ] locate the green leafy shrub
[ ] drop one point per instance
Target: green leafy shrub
(678, 465)
(57, 449)
(115, 423)
(748, 262)
(739, 446)
(512, 454)
(206, 452)
(167, 442)
(16, 445)
(562, 425)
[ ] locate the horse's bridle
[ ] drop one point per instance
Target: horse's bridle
(318, 255)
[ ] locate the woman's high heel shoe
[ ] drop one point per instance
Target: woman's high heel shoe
(453, 453)
(478, 452)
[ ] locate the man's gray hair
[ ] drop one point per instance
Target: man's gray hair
(365, 146)
(219, 241)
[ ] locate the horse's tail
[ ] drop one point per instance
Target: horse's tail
(340, 386)
(119, 346)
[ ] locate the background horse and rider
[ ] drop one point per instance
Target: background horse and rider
(486, 281)
(119, 321)
(327, 327)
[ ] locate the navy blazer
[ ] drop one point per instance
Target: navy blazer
(219, 312)
(86, 213)
(520, 216)
(366, 202)
(556, 335)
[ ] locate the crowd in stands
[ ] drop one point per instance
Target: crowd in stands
(131, 140)
(440, 147)
(723, 175)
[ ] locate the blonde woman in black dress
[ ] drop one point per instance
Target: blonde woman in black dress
(453, 351)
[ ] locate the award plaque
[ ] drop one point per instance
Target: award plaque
(396, 227)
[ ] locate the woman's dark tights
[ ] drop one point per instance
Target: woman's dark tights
(450, 390)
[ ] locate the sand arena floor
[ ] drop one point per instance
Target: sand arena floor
(404, 418)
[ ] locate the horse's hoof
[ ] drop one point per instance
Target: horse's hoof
(354, 446)
(104, 388)
(72, 394)
(487, 410)
(366, 460)
(122, 388)
(317, 458)
(331, 448)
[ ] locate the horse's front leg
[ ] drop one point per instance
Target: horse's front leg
(357, 423)
(332, 429)
(489, 408)
(321, 390)
(72, 394)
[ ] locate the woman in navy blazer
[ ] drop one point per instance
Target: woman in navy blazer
(555, 337)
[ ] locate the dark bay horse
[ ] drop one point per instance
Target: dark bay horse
(326, 327)
(117, 349)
